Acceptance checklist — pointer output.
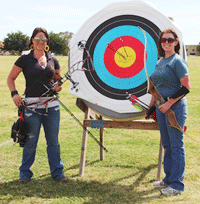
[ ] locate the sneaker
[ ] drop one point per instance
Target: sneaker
(169, 191)
(62, 180)
(23, 181)
(160, 184)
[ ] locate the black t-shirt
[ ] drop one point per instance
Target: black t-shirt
(35, 75)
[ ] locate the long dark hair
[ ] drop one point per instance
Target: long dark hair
(35, 32)
(161, 52)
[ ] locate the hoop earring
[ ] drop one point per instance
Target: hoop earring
(32, 47)
(46, 49)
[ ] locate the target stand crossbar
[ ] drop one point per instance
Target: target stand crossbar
(90, 115)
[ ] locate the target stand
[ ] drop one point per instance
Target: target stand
(91, 116)
(107, 62)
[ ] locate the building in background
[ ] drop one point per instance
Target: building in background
(192, 50)
(1, 47)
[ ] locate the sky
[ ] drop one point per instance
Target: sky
(69, 15)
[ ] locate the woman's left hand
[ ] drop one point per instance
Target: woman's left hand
(57, 87)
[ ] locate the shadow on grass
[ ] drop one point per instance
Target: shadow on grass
(89, 192)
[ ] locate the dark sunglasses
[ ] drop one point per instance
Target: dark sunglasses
(37, 39)
(170, 40)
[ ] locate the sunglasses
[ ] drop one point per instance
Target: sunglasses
(170, 40)
(37, 39)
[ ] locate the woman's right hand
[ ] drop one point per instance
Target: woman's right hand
(18, 100)
(146, 116)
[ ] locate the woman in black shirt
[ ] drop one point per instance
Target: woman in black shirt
(40, 70)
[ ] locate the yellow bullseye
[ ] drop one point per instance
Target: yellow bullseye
(125, 57)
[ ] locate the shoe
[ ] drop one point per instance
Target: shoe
(62, 180)
(159, 184)
(169, 191)
(23, 181)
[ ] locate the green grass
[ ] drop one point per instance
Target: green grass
(124, 176)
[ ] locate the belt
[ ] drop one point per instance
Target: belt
(167, 99)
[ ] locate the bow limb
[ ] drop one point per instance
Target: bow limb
(159, 99)
(172, 120)
(150, 86)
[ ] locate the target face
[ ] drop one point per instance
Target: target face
(116, 45)
(118, 56)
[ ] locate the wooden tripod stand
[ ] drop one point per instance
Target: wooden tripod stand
(90, 115)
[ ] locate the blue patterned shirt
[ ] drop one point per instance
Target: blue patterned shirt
(167, 74)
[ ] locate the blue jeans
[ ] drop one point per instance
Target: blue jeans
(51, 129)
(172, 141)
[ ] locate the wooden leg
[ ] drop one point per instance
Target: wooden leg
(102, 142)
(159, 161)
(83, 149)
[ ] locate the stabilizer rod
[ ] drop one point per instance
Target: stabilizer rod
(78, 121)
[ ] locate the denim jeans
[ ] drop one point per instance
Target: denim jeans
(51, 129)
(172, 141)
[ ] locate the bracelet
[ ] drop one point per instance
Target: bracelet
(14, 93)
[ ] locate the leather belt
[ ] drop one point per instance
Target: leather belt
(167, 99)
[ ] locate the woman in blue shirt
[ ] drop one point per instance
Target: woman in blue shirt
(171, 78)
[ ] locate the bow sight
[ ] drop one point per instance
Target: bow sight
(66, 77)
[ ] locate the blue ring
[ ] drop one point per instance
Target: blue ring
(124, 83)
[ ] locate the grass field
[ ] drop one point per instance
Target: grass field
(124, 176)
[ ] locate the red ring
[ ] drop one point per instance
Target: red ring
(135, 68)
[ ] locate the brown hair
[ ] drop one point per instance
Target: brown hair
(35, 32)
(161, 52)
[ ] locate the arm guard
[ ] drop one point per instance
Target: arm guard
(181, 92)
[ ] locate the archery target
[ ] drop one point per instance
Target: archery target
(116, 45)
(116, 73)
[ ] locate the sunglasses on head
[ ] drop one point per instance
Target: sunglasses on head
(37, 39)
(170, 40)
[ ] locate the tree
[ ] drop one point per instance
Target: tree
(58, 45)
(19, 42)
(198, 48)
(66, 35)
(16, 42)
